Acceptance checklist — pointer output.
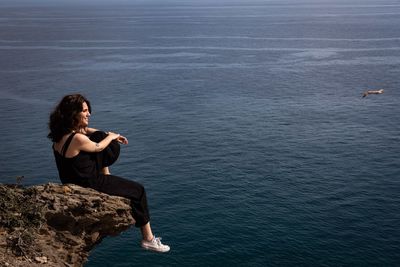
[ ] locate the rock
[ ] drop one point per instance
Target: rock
(56, 225)
(41, 259)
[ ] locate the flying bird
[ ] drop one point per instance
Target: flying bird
(370, 92)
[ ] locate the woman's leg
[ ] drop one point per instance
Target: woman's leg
(106, 170)
(117, 186)
(108, 156)
(135, 192)
(147, 234)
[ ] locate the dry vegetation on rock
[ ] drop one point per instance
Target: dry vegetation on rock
(56, 225)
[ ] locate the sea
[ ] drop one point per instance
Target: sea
(245, 120)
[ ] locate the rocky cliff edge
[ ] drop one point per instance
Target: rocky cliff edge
(56, 225)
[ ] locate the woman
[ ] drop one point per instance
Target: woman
(84, 154)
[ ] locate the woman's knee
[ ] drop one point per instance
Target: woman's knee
(141, 189)
(110, 154)
(97, 136)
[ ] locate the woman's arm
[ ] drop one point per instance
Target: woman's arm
(88, 131)
(87, 145)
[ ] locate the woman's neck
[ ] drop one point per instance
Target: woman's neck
(82, 130)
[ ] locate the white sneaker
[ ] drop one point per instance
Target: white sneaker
(155, 245)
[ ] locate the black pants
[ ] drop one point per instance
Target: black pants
(117, 186)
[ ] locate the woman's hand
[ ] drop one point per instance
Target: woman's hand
(114, 136)
(119, 138)
(122, 139)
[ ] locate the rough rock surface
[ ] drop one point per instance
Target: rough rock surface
(56, 225)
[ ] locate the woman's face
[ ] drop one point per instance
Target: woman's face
(84, 116)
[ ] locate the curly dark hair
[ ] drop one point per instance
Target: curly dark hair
(65, 116)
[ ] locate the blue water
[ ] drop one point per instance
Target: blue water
(245, 121)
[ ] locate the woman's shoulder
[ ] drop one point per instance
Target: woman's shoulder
(60, 144)
(81, 137)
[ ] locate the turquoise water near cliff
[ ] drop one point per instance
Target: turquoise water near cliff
(245, 121)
